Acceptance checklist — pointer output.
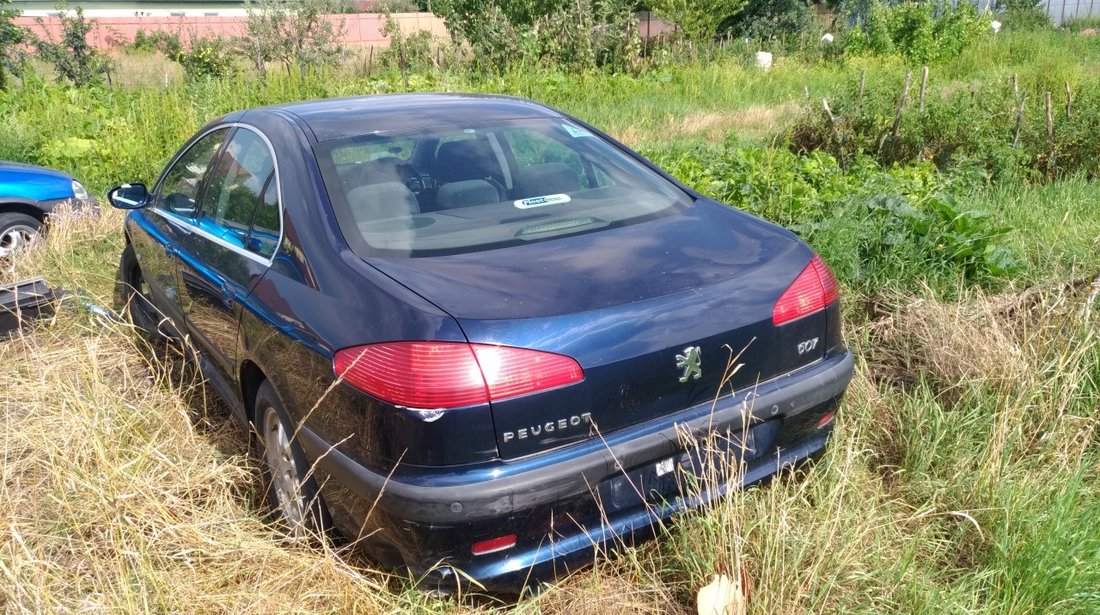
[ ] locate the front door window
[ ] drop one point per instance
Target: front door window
(179, 191)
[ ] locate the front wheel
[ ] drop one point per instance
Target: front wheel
(17, 231)
(132, 295)
(291, 490)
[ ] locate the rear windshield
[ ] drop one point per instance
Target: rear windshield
(462, 189)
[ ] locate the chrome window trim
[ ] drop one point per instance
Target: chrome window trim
(189, 225)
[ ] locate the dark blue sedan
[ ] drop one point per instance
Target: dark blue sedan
(472, 333)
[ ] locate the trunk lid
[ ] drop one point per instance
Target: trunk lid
(627, 304)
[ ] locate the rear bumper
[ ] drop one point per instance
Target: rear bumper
(437, 516)
(570, 551)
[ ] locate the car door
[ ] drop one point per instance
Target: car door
(170, 220)
(236, 233)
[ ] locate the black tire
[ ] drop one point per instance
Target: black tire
(291, 490)
(132, 296)
(17, 230)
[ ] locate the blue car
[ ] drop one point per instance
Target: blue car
(475, 335)
(28, 194)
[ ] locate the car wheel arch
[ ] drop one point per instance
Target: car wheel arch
(25, 208)
(250, 379)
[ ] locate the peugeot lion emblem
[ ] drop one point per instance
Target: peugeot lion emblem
(691, 362)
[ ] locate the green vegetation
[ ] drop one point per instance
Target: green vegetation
(11, 38)
(963, 476)
(916, 31)
(74, 59)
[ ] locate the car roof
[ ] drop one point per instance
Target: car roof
(335, 118)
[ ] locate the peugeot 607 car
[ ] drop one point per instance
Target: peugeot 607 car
(472, 332)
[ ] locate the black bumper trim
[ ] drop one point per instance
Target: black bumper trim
(479, 494)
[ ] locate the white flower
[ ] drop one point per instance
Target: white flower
(826, 38)
(996, 25)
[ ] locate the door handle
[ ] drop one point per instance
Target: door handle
(227, 292)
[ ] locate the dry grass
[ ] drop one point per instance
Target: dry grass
(80, 250)
(752, 122)
(962, 462)
(115, 497)
(755, 121)
(1030, 353)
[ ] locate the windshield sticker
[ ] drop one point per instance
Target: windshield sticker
(539, 201)
(575, 131)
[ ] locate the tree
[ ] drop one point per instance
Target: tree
(699, 20)
(294, 32)
(73, 58)
(12, 38)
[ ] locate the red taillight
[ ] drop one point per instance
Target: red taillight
(493, 545)
(451, 374)
(811, 291)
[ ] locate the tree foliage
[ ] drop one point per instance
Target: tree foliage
(73, 58)
(699, 20)
(293, 32)
(12, 38)
(466, 16)
(573, 34)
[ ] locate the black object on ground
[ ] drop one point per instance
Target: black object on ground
(22, 302)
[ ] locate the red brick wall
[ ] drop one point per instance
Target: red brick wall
(361, 28)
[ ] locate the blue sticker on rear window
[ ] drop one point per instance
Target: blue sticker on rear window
(539, 201)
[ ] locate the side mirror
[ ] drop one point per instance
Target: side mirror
(128, 196)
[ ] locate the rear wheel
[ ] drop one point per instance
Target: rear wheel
(17, 231)
(291, 490)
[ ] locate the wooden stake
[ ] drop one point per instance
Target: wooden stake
(1050, 122)
(1019, 120)
(862, 82)
(832, 118)
(1069, 102)
(1015, 87)
(1049, 134)
(923, 84)
(901, 104)
(806, 92)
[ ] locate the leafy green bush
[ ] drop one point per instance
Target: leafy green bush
(575, 35)
(915, 30)
(765, 18)
(207, 57)
(898, 226)
(1023, 19)
(153, 41)
(406, 52)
